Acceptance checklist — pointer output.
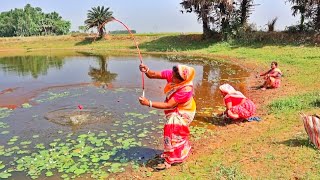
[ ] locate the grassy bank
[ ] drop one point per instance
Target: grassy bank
(275, 148)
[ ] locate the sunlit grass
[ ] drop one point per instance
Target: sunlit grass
(295, 103)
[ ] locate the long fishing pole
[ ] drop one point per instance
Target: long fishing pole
(140, 56)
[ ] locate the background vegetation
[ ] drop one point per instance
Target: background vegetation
(31, 21)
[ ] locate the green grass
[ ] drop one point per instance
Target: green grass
(295, 103)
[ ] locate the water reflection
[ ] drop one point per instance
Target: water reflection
(21, 77)
(30, 65)
(101, 74)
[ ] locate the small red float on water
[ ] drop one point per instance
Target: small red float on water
(80, 106)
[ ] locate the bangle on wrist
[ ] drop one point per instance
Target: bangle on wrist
(150, 103)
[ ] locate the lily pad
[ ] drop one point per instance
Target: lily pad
(4, 125)
(26, 142)
(5, 132)
(35, 136)
(4, 112)
(4, 175)
(49, 173)
(26, 105)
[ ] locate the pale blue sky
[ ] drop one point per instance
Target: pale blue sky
(150, 15)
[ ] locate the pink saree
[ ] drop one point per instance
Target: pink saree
(176, 130)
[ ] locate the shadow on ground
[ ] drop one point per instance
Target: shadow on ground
(219, 120)
(177, 43)
(316, 103)
(172, 43)
(298, 143)
(87, 40)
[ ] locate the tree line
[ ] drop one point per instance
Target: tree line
(226, 17)
(230, 17)
(31, 21)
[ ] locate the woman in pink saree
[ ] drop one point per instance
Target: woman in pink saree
(238, 106)
(272, 77)
(179, 108)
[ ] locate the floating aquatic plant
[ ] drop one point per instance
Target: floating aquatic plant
(53, 96)
(26, 105)
(136, 115)
(83, 154)
(4, 125)
(5, 112)
(5, 132)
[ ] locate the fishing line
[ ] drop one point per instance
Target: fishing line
(140, 56)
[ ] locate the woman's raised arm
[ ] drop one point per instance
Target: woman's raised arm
(149, 73)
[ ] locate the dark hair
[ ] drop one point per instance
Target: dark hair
(175, 70)
(275, 63)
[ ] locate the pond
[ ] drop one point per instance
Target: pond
(79, 115)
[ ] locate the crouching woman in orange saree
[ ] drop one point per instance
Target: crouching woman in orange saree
(272, 77)
(238, 106)
(179, 108)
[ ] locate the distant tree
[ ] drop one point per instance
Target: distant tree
(96, 17)
(245, 8)
(202, 8)
(314, 14)
(299, 7)
(271, 24)
(309, 11)
(31, 21)
(224, 16)
(82, 29)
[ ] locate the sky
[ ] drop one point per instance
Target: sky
(151, 16)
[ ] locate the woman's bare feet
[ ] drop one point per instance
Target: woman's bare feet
(163, 166)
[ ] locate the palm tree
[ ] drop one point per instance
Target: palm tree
(300, 6)
(271, 24)
(98, 17)
(245, 8)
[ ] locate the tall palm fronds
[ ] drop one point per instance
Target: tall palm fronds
(309, 11)
(97, 16)
(271, 24)
(245, 8)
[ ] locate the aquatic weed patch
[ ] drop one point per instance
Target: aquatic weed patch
(5, 112)
(26, 105)
(53, 96)
(77, 155)
(96, 153)
(4, 125)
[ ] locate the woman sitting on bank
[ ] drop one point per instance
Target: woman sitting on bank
(272, 77)
(238, 106)
(179, 108)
